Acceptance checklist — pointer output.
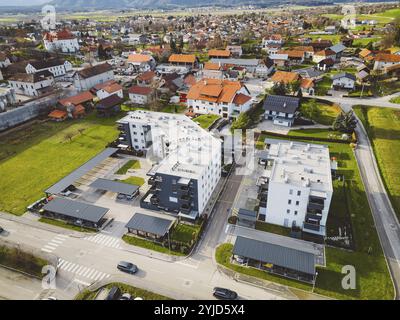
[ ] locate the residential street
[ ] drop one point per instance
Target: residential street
(386, 221)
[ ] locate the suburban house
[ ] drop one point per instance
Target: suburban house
(106, 89)
(280, 59)
(4, 60)
(249, 64)
(146, 78)
(109, 106)
(77, 105)
(326, 64)
(33, 85)
(221, 97)
(141, 95)
(294, 56)
(343, 81)
(265, 68)
(89, 77)
(384, 60)
(57, 67)
(307, 86)
(308, 51)
(214, 53)
(236, 51)
(272, 39)
(212, 70)
(281, 109)
(284, 77)
(187, 161)
(299, 182)
(188, 60)
(63, 41)
(324, 54)
(141, 62)
(338, 49)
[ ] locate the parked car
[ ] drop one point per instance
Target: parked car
(126, 296)
(225, 294)
(114, 293)
(121, 196)
(127, 267)
(1, 230)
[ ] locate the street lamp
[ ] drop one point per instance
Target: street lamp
(315, 280)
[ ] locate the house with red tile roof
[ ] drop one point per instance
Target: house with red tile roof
(62, 40)
(141, 95)
(384, 60)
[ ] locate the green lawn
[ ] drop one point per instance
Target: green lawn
(395, 100)
(185, 233)
(139, 242)
(134, 292)
(65, 225)
(373, 279)
(137, 181)
(172, 108)
(131, 164)
(206, 120)
(316, 134)
(322, 87)
(383, 127)
(322, 113)
(22, 261)
(272, 228)
(34, 158)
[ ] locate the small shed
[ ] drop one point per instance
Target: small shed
(149, 226)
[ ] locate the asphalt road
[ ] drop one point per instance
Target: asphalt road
(84, 261)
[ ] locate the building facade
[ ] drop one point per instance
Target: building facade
(92, 76)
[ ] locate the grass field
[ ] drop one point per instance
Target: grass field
(383, 127)
(316, 134)
(325, 113)
(137, 181)
(373, 279)
(134, 292)
(131, 164)
(65, 225)
(206, 120)
(272, 228)
(185, 233)
(34, 158)
(172, 108)
(150, 245)
(395, 100)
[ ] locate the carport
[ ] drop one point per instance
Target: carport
(115, 186)
(74, 211)
(150, 226)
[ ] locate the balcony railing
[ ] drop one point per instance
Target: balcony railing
(186, 208)
(315, 206)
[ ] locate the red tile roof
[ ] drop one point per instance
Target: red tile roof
(144, 91)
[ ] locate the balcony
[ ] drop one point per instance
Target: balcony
(154, 200)
(314, 228)
(315, 206)
(313, 216)
(186, 209)
(185, 199)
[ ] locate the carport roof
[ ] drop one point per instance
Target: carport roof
(81, 171)
(277, 254)
(114, 186)
(76, 209)
(150, 224)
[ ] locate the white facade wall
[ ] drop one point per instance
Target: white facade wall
(138, 98)
(344, 83)
(65, 46)
(57, 71)
(30, 89)
(102, 94)
(88, 83)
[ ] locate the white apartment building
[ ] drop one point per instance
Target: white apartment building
(298, 184)
(87, 78)
(187, 160)
(221, 97)
(63, 41)
(32, 84)
(56, 66)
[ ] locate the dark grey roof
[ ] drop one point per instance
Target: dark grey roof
(114, 186)
(44, 64)
(110, 102)
(344, 74)
(277, 254)
(150, 224)
(309, 72)
(247, 214)
(76, 209)
(281, 104)
(81, 171)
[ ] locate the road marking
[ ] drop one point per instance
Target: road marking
(54, 243)
(82, 271)
(46, 250)
(49, 247)
(82, 282)
(105, 240)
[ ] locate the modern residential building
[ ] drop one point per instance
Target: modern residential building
(32, 84)
(89, 77)
(297, 182)
(58, 67)
(281, 109)
(187, 160)
(221, 97)
(343, 81)
(63, 41)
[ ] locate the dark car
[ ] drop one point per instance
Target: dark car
(1, 230)
(127, 267)
(225, 294)
(114, 294)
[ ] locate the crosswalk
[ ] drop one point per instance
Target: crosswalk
(105, 240)
(54, 243)
(81, 271)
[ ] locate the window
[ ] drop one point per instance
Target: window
(289, 201)
(295, 213)
(299, 193)
(288, 211)
(297, 203)
(290, 191)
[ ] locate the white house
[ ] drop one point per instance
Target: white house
(57, 67)
(33, 85)
(221, 97)
(187, 161)
(383, 60)
(324, 54)
(140, 95)
(4, 60)
(343, 81)
(281, 109)
(299, 187)
(89, 77)
(265, 68)
(272, 39)
(63, 41)
(107, 89)
(141, 62)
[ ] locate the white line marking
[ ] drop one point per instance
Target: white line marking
(75, 268)
(82, 282)
(46, 250)
(82, 271)
(58, 242)
(89, 275)
(95, 275)
(79, 269)
(87, 271)
(51, 247)
(69, 269)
